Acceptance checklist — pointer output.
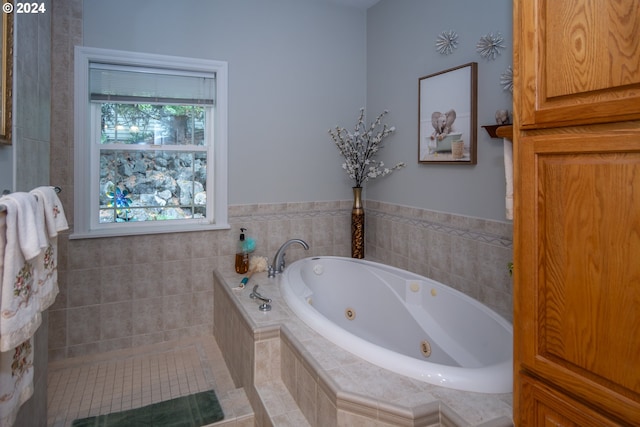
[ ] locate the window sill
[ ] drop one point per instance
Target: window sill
(141, 231)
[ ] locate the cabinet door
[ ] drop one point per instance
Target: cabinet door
(576, 320)
(578, 60)
(546, 407)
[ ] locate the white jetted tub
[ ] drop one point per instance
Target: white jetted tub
(403, 322)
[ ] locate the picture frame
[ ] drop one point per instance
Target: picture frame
(6, 78)
(447, 116)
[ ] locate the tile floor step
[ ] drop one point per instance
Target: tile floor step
(281, 407)
(237, 409)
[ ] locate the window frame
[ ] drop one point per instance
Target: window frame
(85, 165)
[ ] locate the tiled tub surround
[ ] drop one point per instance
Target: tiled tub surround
(265, 351)
(122, 292)
(469, 254)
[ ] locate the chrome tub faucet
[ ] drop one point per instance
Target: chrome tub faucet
(278, 260)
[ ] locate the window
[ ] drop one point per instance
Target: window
(150, 143)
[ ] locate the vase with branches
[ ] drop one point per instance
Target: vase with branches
(359, 149)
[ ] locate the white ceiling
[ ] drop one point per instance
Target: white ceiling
(360, 4)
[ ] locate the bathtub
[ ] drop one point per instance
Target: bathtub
(402, 322)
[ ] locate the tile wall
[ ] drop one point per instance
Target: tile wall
(31, 137)
(31, 106)
(122, 292)
(466, 253)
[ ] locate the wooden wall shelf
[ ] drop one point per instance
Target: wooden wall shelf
(500, 131)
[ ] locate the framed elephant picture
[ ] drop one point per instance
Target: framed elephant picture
(447, 116)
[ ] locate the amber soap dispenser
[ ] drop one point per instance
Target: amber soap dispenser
(242, 255)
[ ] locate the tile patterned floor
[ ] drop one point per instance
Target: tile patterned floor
(126, 379)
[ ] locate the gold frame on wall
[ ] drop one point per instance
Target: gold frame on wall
(6, 74)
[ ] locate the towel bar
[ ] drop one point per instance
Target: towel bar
(5, 192)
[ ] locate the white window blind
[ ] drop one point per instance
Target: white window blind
(113, 83)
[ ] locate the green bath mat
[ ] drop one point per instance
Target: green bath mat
(194, 410)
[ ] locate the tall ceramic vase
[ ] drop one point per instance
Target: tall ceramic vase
(357, 224)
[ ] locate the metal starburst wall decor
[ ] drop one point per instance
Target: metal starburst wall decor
(446, 42)
(490, 45)
(506, 79)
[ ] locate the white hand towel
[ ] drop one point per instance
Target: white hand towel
(47, 264)
(29, 222)
(508, 172)
(19, 308)
(52, 209)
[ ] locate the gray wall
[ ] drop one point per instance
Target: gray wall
(401, 37)
(299, 67)
(296, 68)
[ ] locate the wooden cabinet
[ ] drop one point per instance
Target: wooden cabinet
(577, 287)
(550, 408)
(577, 212)
(579, 63)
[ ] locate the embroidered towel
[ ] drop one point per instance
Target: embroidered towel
(16, 380)
(23, 238)
(50, 208)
